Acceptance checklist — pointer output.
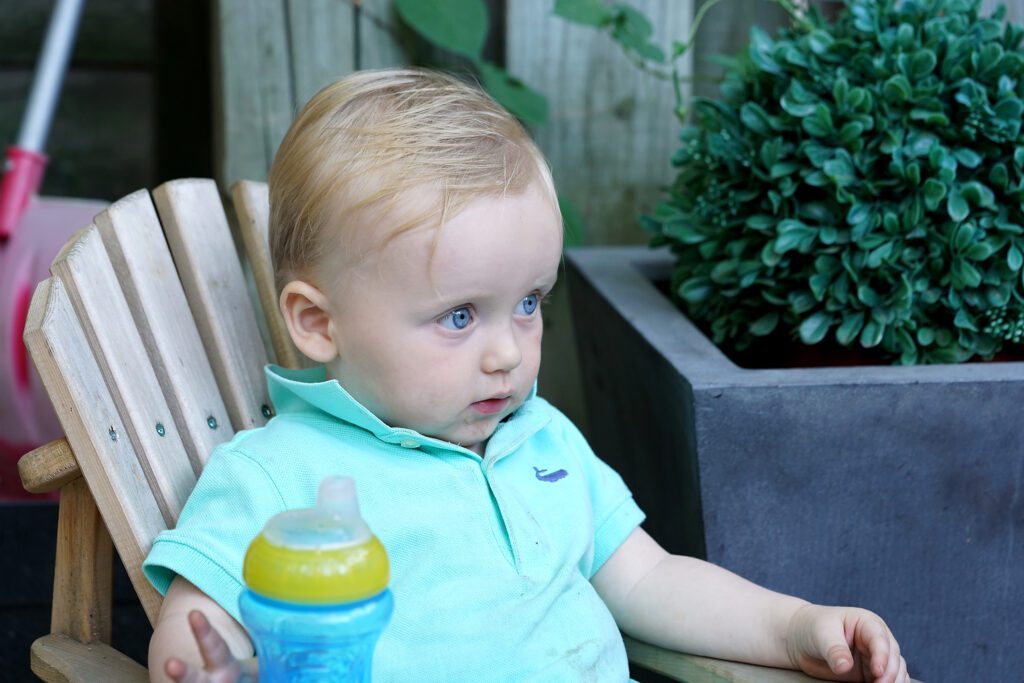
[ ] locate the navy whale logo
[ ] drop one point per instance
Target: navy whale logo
(553, 476)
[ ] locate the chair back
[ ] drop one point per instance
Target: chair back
(149, 345)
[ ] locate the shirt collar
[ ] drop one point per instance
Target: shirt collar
(299, 390)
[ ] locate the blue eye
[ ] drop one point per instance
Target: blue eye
(458, 319)
(528, 305)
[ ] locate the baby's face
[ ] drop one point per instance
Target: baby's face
(450, 345)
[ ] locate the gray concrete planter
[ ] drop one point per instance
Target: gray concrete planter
(899, 489)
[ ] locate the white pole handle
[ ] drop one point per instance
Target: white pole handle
(53, 62)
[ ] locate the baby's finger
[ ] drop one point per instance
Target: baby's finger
(892, 667)
(830, 641)
(903, 676)
(180, 672)
(876, 645)
(212, 647)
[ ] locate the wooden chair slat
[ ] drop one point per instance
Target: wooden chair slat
(92, 286)
(83, 578)
(200, 239)
(252, 204)
(60, 659)
(138, 251)
(95, 430)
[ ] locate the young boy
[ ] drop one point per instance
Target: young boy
(415, 233)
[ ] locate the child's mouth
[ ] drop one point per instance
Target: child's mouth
(491, 405)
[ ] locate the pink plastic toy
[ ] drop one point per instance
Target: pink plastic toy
(32, 230)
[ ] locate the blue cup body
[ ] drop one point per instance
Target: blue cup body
(315, 643)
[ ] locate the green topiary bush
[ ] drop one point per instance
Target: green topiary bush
(860, 180)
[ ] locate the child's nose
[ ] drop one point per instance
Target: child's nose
(503, 352)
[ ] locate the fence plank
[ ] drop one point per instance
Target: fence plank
(380, 43)
(254, 100)
(322, 39)
(611, 128)
(1014, 9)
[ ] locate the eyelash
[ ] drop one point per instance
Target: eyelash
(542, 299)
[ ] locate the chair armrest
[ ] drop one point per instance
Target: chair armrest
(48, 467)
(694, 669)
(59, 659)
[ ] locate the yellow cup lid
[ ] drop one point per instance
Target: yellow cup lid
(319, 555)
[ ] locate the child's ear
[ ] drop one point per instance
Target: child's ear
(305, 312)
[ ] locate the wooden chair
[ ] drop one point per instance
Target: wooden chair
(150, 348)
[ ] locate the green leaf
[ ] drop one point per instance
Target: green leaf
(897, 89)
(926, 336)
(632, 30)
(587, 12)
(801, 302)
(514, 95)
(761, 222)
(967, 157)
(957, 206)
(871, 335)
(840, 170)
(760, 50)
(819, 285)
(459, 26)
(922, 63)
(978, 194)
(819, 124)
(1014, 258)
(788, 241)
(755, 118)
(764, 325)
(934, 192)
(965, 321)
(851, 326)
(782, 169)
(814, 329)
(868, 296)
(695, 289)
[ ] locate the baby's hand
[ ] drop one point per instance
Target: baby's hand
(844, 644)
(219, 665)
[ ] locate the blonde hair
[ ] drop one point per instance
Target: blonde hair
(362, 143)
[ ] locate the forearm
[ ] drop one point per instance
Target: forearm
(693, 606)
(173, 636)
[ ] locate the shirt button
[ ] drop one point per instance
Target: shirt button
(409, 443)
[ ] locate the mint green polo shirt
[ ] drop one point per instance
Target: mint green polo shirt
(491, 558)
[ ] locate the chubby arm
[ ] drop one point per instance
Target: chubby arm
(688, 605)
(217, 642)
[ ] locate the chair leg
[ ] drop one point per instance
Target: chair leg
(83, 583)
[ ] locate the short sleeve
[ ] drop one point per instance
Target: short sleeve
(616, 515)
(232, 499)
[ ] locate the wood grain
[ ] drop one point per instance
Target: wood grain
(380, 36)
(321, 41)
(48, 467)
(59, 659)
(253, 86)
(87, 274)
(95, 430)
(211, 275)
(82, 583)
(252, 206)
(135, 243)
